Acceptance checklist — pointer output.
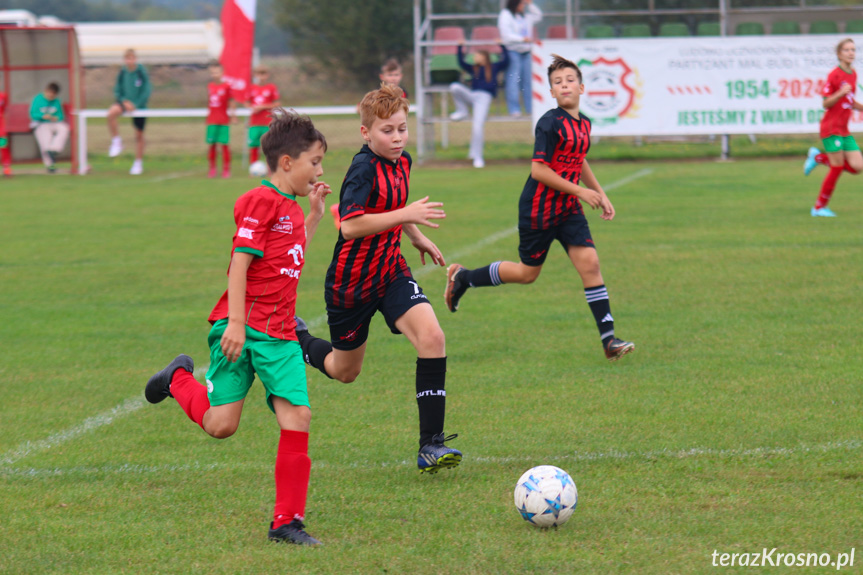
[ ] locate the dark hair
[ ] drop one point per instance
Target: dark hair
(487, 69)
(390, 65)
(54, 87)
(511, 5)
(290, 134)
(559, 63)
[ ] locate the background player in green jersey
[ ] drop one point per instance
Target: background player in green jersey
(253, 326)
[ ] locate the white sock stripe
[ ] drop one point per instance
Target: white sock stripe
(599, 295)
(606, 334)
(495, 274)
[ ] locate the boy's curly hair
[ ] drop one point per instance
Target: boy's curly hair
(290, 134)
(382, 103)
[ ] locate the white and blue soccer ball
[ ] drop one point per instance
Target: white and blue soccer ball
(258, 169)
(546, 496)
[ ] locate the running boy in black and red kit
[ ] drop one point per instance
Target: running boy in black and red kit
(549, 209)
(369, 274)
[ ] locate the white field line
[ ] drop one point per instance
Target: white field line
(575, 457)
(137, 402)
(174, 176)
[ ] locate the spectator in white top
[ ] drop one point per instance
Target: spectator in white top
(515, 24)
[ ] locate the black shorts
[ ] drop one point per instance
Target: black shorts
(139, 123)
(533, 244)
(349, 327)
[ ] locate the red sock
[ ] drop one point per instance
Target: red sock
(191, 395)
(847, 167)
(828, 186)
(253, 155)
(822, 159)
(5, 157)
(211, 155)
(293, 468)
(226, 157)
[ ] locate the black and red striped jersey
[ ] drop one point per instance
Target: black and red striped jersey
(363, 267)
(562, 142)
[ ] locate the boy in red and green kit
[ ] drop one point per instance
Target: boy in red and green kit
(253, 325)
(221, 115)
(5, 156)
(263, 96)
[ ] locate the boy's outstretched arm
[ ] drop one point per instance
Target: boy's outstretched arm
(420, 212)
(423, 244)
(235, 334)
(317, 206)
(591, 182)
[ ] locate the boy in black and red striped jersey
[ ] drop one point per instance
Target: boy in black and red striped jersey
(253, 326)
(549, 209)
(369, 274)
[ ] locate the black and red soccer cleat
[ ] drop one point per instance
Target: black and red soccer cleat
(159, 386)
(617, 348)
(455, 286)
(293, 532)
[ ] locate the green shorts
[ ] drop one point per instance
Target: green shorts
(4, 142)
(840, 144)
(278, 363)
(255, 135)
(217, 134)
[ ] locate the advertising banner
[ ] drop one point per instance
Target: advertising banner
(698, 85)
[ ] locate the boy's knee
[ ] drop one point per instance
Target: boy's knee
(347, 374)
(529, 274)
(221, 431)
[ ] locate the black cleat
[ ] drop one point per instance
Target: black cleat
(434, 456)
(455, 287)
(293, 532)
(159, 386)
(301, 326)
(617, 348)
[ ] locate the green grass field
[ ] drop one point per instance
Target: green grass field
(735, 426)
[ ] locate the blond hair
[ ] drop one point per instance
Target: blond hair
(382, 103)
(842, 43)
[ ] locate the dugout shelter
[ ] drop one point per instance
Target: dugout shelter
(30, 58)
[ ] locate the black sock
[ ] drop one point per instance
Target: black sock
(481, 277)
(315, 350)
(597, 299)
(431, 396)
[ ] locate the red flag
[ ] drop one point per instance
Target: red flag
(238, 30)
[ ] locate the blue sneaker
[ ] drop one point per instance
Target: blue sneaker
(435, 456)
(823, 212)
(810, 162)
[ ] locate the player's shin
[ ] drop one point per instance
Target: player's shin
(431, 396)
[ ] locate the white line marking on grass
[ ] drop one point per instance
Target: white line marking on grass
(30, 447)
(614, 455)
(135, 403)
(174, 176)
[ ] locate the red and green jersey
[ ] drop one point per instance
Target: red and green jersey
(261, 96)
(272, 227)
(362, 268)
(219, 96)
(2, 115)
(835, 119)
(562, 142)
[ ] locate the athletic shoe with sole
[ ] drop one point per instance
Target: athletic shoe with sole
(137, 168)
(7, 171)
(435, 456)
(455, 288)
(159, 386)
(293, 532)
(810, 162)
(617, 348)
(116, 147)
(478, 163)
(211, 173)
(226, 173)
(824, 212)
(301, 326)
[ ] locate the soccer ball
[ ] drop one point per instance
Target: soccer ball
(258, 169)
(545, 496)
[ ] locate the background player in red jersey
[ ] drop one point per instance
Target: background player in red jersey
(5, 156)
(843, 153)
(369, 274)
(549, 209)
(253, 327)
(263, 96)
(221, 115)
